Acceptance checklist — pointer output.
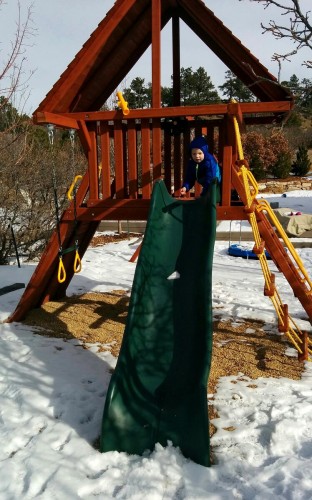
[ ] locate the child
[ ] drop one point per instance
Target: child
(203, 167)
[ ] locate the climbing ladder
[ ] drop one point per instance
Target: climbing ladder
(269, 234)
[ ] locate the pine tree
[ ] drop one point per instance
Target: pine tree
(233, 88)
(302, 164)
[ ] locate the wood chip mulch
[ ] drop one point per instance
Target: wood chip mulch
(239, 347)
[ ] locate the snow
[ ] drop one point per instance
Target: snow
(298, 200)
(52, 396)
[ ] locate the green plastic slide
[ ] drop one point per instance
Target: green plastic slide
(158, 392)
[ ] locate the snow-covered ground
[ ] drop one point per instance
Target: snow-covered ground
(52, 398)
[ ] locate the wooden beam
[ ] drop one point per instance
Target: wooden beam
(231, 213)
(208, 109)
(43, 118)
(93, 168)
(136, 210)
(226, 183)
(111, 210)
(234, 109)
(156, 53)
(84, 137)
(231, 51)
(176, 63)
(74, 76)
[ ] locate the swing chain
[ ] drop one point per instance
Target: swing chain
(72, 136)
(51, 133)
(77, 262)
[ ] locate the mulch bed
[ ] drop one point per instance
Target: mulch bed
(238, 346)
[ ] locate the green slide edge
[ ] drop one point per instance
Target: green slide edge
(158, 391)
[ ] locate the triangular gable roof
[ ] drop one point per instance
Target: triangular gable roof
(123, 36)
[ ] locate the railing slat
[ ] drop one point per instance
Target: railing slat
(146, 159)
(119, 160)
(132, 159)
(105, 149)
(156, 149)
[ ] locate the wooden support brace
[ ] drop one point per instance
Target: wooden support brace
(242, 163)
(136, 254)
(269, 292)
(44, 117)
(284, 327)
(234, 109)
(304, 356)
(251, 209)
(258, 250)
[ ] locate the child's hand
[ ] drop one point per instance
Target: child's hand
(183, 191)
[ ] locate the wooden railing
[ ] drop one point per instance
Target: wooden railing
(129, 160)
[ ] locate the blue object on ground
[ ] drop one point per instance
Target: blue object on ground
(237, 250)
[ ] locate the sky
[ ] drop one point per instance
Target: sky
(60, 28)
(52, 396)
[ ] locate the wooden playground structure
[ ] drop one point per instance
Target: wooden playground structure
(127, 150)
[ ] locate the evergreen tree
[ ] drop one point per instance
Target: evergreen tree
(233, 88)
(282, 167)
(167, 96)
(257, 167)
(197, 88)
(302, 91)
(302, 164)
(138, 95)
(293, 85)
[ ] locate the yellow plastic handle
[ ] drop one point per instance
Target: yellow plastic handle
(77, 263)
(73, 184)
(61, 274)
(122, 103)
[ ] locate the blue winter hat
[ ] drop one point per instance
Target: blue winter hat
(199, 143)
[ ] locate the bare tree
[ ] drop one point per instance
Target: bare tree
(297, 27)
(13, 123)
(13, 80)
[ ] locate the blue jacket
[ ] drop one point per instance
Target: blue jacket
(203, 172)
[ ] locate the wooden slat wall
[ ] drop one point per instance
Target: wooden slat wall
(144, 151)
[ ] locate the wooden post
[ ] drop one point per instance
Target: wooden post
(156, 53)
(156, 86)
(176, 61)
(284, 327)
(226, 172)
(304, 356)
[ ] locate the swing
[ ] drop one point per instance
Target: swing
(71, 195)
(239, 250)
